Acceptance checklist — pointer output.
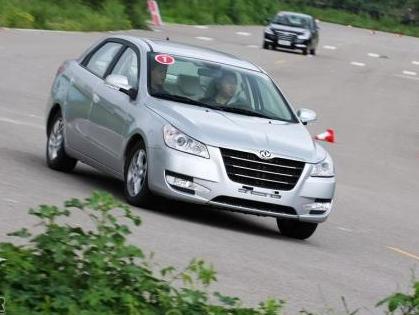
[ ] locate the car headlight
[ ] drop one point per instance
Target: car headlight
(304, 36)
(323, 169)
(177, 140)
(269, 31)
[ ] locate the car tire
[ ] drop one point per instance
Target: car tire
(266, 45)
(313, 51)
(57, 158)
(305, 51)
(136, 188)
(296, 229)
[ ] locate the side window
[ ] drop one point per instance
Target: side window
(101, 59)
(127, 66)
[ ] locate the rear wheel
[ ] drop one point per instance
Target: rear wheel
(57, 159)
(136, 166)
(313, 51)
(296, 229)
(305, 51)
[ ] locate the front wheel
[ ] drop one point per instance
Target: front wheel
(57, 159)
(266, 45)
(296, 229)
(136, 186)
(313, 51)
(305, 51)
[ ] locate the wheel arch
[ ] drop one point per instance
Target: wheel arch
(56, 108)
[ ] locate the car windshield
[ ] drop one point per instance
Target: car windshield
(217, 86)
(292, 20)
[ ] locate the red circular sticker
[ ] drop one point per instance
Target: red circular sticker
(165, 59)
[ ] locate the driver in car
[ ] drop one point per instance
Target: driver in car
(225, 89)
(157, 78)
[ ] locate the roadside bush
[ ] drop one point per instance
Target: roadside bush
(66, 269)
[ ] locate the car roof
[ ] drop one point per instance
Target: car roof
(191, 51)
(294, 13)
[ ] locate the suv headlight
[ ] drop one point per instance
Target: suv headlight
(323, 169)
(304, 36)
(269, 31)
(177, 140)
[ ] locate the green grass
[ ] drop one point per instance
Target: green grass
(69, 15)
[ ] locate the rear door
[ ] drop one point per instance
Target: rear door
(84, 79)
(109, 119)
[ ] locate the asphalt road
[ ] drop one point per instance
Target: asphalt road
(363, 85)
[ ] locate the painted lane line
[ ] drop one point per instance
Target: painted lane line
(10, 200)
(406, 77)
(403, 252)
(407, 72)
(252, 46)
(243, 33)
(202, 27)
(415, 62)
(18, 122)
(374, 55)
(329, 47)
(358, 64)
(279, 61)
(204, 38)
(344, 229)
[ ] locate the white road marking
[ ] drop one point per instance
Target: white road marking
(374, 55)
(10, 200)
(19, 122)
(156, 30)
(252, 46)
(407, 72)
(20, 114)
(329, 47)
(344, 229)
(415, 62)
(243, 33)
(202, 27)
(406, 77)
(204, 38)
(358, 64)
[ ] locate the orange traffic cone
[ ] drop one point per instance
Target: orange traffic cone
(328, 136)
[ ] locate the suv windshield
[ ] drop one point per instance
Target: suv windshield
(216, 86)
(292, 20)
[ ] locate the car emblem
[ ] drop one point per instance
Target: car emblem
(265, 154)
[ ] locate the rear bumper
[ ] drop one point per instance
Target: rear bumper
(217, 189)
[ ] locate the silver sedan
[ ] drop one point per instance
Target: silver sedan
(190, 124)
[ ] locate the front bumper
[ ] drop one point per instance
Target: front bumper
(220, 191)
(272, 39)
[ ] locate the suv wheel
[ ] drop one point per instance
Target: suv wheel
(57, 159)
(296, 229)
(135, 174)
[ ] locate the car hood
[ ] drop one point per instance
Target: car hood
(240, 132)
(291, 29)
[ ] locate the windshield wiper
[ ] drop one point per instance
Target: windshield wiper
(182, 99)
(245, 112)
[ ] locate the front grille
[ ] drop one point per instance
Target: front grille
(251, 204)
(286, 36)
(247, 168)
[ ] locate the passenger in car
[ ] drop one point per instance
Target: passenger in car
(225, 89)
(157, 78)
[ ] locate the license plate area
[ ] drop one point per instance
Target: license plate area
(284, 42)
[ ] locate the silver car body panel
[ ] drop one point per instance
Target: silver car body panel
(99, 122)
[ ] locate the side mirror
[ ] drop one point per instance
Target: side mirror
(306, 115)
(120, 83)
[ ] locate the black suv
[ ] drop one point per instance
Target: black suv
(292, 31)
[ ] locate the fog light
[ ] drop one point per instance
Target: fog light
(319, 206)
(185, 184)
